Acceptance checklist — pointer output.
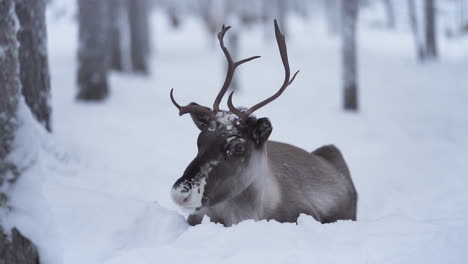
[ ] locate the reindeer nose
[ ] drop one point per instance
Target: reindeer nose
(181, 196)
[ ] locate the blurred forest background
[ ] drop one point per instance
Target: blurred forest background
(119, 31)
(96, 76)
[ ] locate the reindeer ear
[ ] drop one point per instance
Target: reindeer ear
(261, 131)
(201, 120)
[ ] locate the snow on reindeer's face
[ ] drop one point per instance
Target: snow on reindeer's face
(228, 152)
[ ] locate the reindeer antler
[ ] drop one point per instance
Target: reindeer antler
(229, 75)
(190, 108)
(287, 81)
(231, 68)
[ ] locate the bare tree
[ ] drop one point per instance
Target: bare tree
(139, 34)
(389, 9)
(93, 50)
(34, 66)
(431, 30)
(461, 15)
(413, 17)
(233, 43)
(16, 248)
(129, 35)
(174, 15)
(116, 31)
(349, 56)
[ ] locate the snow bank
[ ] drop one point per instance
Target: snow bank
(393, 240)
(30, 210)
(108, 163)
(152, 227)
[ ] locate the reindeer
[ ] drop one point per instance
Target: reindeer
(239, 174)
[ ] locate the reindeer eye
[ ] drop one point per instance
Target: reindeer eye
(237, 149)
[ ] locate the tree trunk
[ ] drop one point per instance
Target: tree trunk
(233, 44)
(116, 13)
(431, 29)
(34, 66)
(232, 18)
(138, 11)
(332, 12)
(174, 15)
(461, 15)
(415, 29)
(390, 13)
(267, 16)
(93, 50)
(9, 82)
(349, 56)
(18, 249)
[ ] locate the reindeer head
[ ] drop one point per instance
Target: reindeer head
(231, 144)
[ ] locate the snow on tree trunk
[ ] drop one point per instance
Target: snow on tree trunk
(431, 29)
(138, 11)
(14, 248)
(34, 66)
(349, 56)
(93, 50)
(413, 17)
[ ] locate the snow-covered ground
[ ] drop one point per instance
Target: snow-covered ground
(109, 166)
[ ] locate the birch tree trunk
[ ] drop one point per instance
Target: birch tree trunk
(34, 65)
(17, 248)
(349, 56)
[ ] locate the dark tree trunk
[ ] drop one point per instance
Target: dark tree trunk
(10, 84)
(116, 13)
(349, 56)
(415, 29)
(431, 29)
(232, 18)
(138, 11)
(174, 16)
(18, 249)
(390, 13)
(93, 50)
(34, 66)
